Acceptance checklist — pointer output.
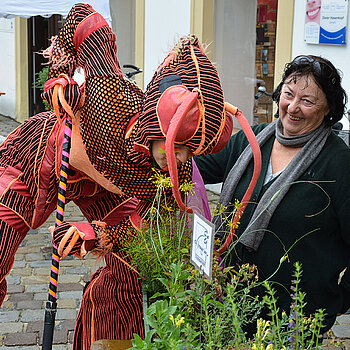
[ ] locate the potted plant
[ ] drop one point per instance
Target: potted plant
(184, 310)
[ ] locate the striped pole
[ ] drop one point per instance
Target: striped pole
(51, 304)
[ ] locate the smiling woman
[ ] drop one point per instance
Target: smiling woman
(302, 106)
(300, 207)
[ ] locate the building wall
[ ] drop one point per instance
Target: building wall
(123, 25)
(234, 51)
(338, 55)
(165, 23)
(7, 67)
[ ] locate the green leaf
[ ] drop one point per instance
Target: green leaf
(138, 342)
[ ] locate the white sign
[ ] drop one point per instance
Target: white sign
(202, 245)
(325, 21)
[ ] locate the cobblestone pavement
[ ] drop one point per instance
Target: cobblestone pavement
(22, 313)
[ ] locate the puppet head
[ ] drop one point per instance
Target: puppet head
(184, 104)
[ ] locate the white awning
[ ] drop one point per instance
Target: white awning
(47, 8)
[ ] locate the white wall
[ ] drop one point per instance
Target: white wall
(165, 23)
(7, 67)
(123, 25)
(234, 52)
(338, 55)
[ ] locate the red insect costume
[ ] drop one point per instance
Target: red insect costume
(114, 124)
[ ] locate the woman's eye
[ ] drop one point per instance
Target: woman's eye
(308, 102)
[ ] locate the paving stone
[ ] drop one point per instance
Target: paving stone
(37, 288)
(75, 270)
(20, 339)
(67, 304)
(11, 327)
(66, 287)
(70, 295)
(30, 304)
(25, 249)
(32, 315)
(13, 279)
(87, 277)
(18, 264)
(66, 314)
(59, 337)
(41, 271)
(38, 244)
(36, 280)
(35, 326)
(8, 304)
(41, 296)
(34, 257)
(62, 278)
(61, 347)
(35, 347)
(70, 336)
(67, 325)
(14, 288)
(20, 257)
(343, 319)
(42, 263)
(24, 271)
(22, 296)
(47, 249)
(341, 331)
(9, 316)
(71, 261)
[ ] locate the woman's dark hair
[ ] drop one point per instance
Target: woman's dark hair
(327, 77)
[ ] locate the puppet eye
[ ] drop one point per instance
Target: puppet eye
(169, 80)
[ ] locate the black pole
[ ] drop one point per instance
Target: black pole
(51, 304)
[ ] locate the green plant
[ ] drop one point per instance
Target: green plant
(187, 311)
(40, 79)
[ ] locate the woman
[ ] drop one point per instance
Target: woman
(302, 199)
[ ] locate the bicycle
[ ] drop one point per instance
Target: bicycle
(264, 113)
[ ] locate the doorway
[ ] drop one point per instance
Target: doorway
(266, 21)
(40, 30)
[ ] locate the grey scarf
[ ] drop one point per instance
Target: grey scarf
(311, 143)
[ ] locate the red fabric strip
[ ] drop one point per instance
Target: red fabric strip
(88, 26)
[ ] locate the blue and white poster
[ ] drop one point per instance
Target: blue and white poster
(325, 21)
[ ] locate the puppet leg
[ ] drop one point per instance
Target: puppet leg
(111, 307)
(10, 239)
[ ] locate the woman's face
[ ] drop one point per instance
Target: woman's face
(182, 154)
(302, 106)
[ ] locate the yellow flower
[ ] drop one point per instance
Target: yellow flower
(237, 204)
(161, 180)
(187, 187)
(171, 318)
(269, 347)
(178, 321)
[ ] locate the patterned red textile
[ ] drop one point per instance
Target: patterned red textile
(29, 168)
(111, 306)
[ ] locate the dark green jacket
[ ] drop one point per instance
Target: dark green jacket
(318, 206)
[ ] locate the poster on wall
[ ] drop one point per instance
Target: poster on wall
(325, 21)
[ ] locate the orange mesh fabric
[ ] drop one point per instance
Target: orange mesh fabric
(110, 102)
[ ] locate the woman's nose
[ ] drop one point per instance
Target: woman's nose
(293, 106)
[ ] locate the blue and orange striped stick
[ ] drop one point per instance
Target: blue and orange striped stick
(51, 304)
